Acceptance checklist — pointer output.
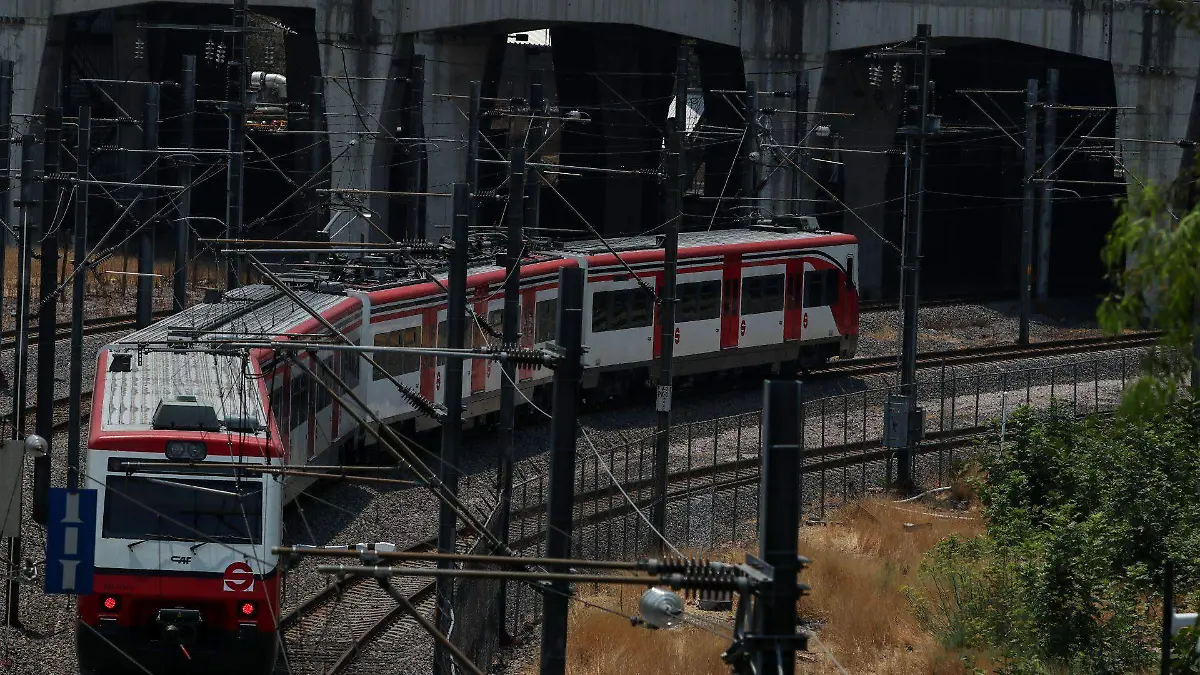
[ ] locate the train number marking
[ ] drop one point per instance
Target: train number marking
(743, 328)
(676, 336)
(438, 382)
(805, 323)
(238, 578)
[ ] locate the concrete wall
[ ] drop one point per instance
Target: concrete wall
(364, 44)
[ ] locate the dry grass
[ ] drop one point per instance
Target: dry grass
(861, 561)
(600, 643)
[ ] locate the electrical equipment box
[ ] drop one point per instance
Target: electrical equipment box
(903, 423)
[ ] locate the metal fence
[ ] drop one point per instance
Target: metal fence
(714, 464)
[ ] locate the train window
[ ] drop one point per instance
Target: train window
(443, 336)
(762, 294)
(136, 508)
(351, 367)
(545, 320)
(322, 395)
(299, 400)
(820, 288)
(496, 320)
(619, 310)
(388, 362)
(641, 310)
(396, 363)
(698, 301)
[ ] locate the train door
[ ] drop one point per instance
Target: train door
(528, 305)
(731, 294)
(478, 339)
(793, 300)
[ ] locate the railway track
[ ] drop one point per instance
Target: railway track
(874, 365)
(375, 622)
(92, 326)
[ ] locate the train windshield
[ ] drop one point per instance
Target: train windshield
(183, 509)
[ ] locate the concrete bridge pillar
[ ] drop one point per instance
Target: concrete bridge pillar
(452, 61)
(356, 57)
(776, 75)
(870, 130)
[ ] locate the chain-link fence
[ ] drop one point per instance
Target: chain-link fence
(713, 465)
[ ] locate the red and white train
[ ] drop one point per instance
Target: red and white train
(184, 570)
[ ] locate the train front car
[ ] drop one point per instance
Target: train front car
(185, 580)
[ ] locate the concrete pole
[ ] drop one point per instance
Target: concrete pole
(750, 174)
(1026, 272)
(911, 264)
(235, 178)
(511, 327)
(416, 103)
(562, 466)
(74, 425)
(779, 519)
(186, 138)
(672, 215)
(456, 311)
(28, 221)
(1047, 214)
(145, 280)
(53, 210)
(6, 99)
(802, 188)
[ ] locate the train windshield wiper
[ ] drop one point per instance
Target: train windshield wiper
(134, 544)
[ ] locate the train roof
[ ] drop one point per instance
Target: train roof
(132, 396)
(745, 237)
(252, 311)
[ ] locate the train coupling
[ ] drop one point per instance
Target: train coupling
(179, 625)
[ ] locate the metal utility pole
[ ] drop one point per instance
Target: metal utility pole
(474, 105)
(1026, 276)
(316, 155)
(28, 219)
(145, 280)
(236, 106)
(456, 311)
(779, 521)
(1047, 215)
(416, 105)
(187, 126)
(511, 329)
(537, 136)
(750, 173)
(517, 216)
(911, 263)
(79, 274)
(53, 212)
(672, 215)
(562, 466)
(802, 188)
(6, 99)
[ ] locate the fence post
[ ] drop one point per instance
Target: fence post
(942, 398)
(712, 504)
(737, 470)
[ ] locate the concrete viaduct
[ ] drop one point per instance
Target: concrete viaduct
(363, 49)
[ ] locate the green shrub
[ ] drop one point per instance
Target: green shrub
(1082, 515)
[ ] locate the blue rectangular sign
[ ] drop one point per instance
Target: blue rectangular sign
(71, 541)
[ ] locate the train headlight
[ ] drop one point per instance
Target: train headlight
(186, 451)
